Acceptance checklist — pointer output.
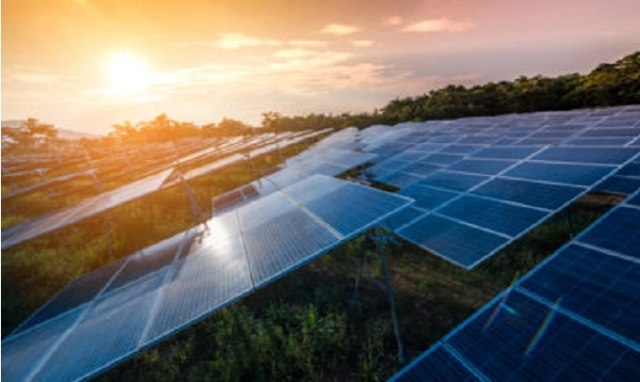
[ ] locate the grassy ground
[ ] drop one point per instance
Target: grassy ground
(305, 326)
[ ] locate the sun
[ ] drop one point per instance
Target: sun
(128, 74)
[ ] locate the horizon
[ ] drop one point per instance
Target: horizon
(86, 65)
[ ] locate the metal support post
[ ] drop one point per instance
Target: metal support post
(354, 299)
(394, 316)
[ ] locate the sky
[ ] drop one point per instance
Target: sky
(89, 64)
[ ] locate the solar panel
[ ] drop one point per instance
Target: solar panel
(400, 179)
(505, 152)
(454, 181)
(96, 205)
(494, 215)
(428, 198)
(454, 241)
(549, 196)
(581, 175)
(592, 286)
(112, 313)
(620, 185)
(481, 166)
(575, 316)
(601, 155)
(618, 232)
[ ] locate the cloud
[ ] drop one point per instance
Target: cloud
(294, 53)
(362, 43)
(309, 43)
(340, 29)
(438, 25)
(35, 78)
(240, 40)
(293, 72)
(392, 21)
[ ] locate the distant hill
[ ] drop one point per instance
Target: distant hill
(72, 135)
(66, 134)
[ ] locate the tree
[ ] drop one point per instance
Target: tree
(30, 136)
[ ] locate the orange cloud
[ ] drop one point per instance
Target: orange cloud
(362, 43)
(340, 29)
(392, 21)
(438, 25)
(240, 40)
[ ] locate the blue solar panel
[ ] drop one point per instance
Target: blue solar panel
(507, 152)
(134, 303)
(481, 166)
(618, 232)
(603, 155)
(497, 216)
(422, 169)
(614, 142)
(454, 241)
(402, 217)
(428, 198)
(592, 286)
(522, 338)
(437, 365)
(634, 200)
(74, 295)
(452, 180)
(275, 246)
(530, 193)
(460, 149)
(18, 351)
(442, 159)
(607, 133)
(584, 175)
(630, 169)
(621, 185)
(574, 317)
(335, 207)
(400, 179)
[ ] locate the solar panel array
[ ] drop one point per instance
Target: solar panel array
(103, 202)
(478, 185)
(325, 161)
(574, 317)
(475, 194)
(116, 311)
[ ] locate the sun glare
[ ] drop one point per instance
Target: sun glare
(128, 74)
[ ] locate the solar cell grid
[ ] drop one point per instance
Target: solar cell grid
(452, 180)
(614, 142)
(593, 286)
(505, 342)
(584, 175)
(402, 217)
(454, 241)
(481, 166)
(618, 232)
(441, 159)
(529, 193)
(602, 155)
(494, 215)
(428, 198)
(400, 179)
(507, 152)
(619, 185)
(421, 169)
